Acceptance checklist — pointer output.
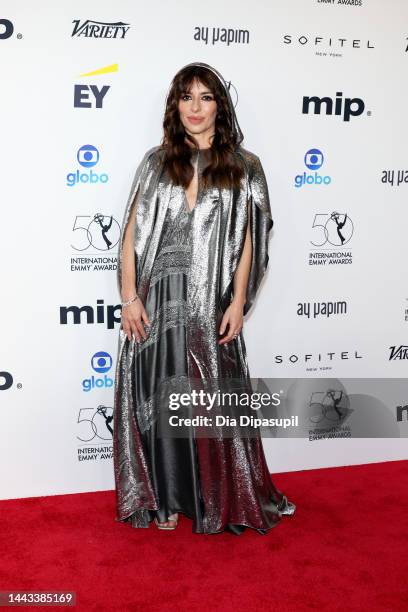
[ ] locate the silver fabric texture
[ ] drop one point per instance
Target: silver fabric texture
(217, 227)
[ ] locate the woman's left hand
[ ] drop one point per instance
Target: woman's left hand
(234, 318)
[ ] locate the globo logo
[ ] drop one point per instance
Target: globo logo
(87, 156)
(101, 363)
(313, 159)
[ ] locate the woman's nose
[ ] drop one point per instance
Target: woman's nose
(195, 105)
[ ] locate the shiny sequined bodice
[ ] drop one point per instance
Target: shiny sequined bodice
(174, 250)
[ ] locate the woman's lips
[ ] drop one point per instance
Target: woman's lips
(195, 119)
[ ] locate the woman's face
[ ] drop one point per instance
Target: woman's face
(198, 110)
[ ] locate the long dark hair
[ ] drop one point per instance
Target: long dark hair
(225, 168)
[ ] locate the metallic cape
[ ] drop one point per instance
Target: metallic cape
(225, 211)
(235, 467)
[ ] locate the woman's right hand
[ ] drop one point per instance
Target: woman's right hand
(133, 317)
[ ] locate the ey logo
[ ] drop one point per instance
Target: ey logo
(92, 96)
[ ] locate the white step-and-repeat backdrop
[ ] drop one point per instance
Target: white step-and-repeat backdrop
(321, 95)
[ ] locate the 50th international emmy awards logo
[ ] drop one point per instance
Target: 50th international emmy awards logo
(100, 232)
(96, 423)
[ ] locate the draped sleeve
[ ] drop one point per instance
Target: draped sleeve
(142, 181)
(261, 223)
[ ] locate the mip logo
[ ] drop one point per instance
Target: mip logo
(313, 161)
(6, 381)
(101, 363)
(6, 29)
(87, 156)
(349, 107)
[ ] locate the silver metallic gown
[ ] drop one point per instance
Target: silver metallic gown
(185, 265)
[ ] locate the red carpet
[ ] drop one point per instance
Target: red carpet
(345, 549)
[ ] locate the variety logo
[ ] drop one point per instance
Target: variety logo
(313, 161)
(99, 29)
(227, 36)
(6, 381)
(88, 157)
(102, 314)
(101, 363)
(325, 309)
(398, 352)
(349, 107)
(90, 96)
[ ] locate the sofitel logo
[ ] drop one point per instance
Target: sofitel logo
(323, 361)
(99, 29)
(349, 107)
(327, 41)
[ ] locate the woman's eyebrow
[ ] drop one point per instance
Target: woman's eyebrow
(201, 93)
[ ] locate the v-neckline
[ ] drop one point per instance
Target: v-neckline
(190, 211)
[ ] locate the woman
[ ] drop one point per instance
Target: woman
(193, 251)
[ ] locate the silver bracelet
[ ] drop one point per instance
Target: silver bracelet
(124, 304)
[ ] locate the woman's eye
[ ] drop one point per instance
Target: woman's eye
(205, 97)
